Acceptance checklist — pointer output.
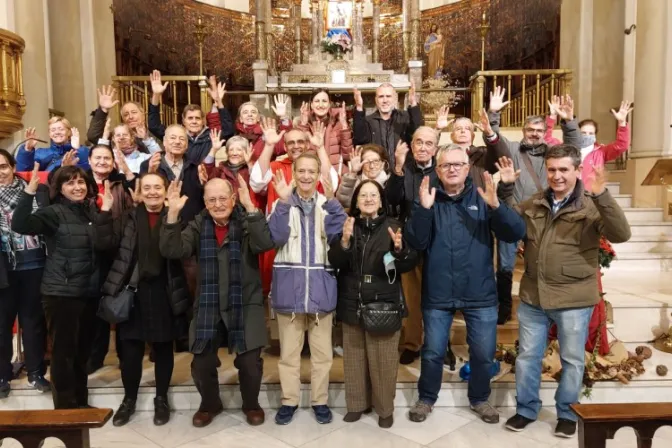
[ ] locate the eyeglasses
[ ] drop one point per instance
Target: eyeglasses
(215, 201)
(373, 163)
(366, 196)
(451, 166)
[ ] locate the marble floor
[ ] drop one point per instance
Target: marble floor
(446, 427)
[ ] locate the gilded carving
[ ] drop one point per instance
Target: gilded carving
(12, 100)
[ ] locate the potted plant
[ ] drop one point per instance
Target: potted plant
(337, 44)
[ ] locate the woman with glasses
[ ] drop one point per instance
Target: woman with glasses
(367, 162)
(370, 257)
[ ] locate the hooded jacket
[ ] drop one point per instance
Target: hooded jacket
(49, 158)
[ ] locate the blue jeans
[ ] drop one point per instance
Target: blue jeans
(482, 340)
(506, 256)
(534, 324)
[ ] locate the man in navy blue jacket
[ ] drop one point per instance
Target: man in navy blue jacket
(452, 222)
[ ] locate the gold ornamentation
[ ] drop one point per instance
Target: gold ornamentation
(12, 100)
(309, 78)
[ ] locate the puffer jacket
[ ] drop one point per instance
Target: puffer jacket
(337, 142)
(304, 281)
(49, 158)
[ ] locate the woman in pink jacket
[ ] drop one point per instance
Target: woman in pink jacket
(595, 154)
(337, 135)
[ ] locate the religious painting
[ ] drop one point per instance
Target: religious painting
(339, 15)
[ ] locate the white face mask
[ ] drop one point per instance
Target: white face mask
(587, 140)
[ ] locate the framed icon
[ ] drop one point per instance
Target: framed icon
(339, 15)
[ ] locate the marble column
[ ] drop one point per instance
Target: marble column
(297, 32)
(260, 65)
(406, 30)
(320, 21)
(357, 23)
(315, 40)
(415, 60)
(376, 31)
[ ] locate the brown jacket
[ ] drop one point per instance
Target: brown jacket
(482, 159)
(561, 250)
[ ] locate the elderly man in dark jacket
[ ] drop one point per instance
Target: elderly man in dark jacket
(564, 225)
(387, 125)
(452, 223)
(227, 241)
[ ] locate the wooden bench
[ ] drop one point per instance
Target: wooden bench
(71, 426)
(599, 422)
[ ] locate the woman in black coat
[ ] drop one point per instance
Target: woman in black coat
(370, 257)
(75, 233)
(160, 304)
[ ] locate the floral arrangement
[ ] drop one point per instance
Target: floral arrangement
(606, 253)
(434, 100)
(337, 43)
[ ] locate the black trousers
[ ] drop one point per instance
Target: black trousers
(131, 371)
(204, 372)
(70, 323)
(101, 342)
(22, 297)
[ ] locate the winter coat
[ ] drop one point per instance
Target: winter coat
(304, 281)
(455, 236)
(337, 142)
(361, 271)
(97, 127)
(561, 250)
(402, 191)
(373, 129)
(176, 244)
(254, 134)
(49, 158)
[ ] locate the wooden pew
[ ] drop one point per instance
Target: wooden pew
(599, 422)
(71, 426)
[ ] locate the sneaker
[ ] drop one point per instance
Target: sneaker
(124, 413)
(4, 389)
(39, 383)
(420, 411)
(517, 423)
(408, 356)
(488, 413)
(565, 428)
(322, 414)
(285, 414)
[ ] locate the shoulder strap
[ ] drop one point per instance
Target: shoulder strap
(133, 281)
(528, 164)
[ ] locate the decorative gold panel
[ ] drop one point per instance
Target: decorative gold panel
(12, 101)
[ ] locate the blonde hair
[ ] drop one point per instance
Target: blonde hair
(64, 121)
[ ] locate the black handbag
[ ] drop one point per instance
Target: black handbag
(381, 317)
(117, 309)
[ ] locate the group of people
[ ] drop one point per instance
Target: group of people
(372, 225)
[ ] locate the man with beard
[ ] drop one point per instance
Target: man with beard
(387, 125)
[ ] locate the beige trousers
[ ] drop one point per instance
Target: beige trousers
(411, 334)
(292, 335)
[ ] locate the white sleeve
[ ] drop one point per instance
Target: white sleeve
(334, 178)
(151, 145)
(259, 183)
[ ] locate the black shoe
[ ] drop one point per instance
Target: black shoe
(92, 367)
(39, 383)
(517, 423)
(450, 359)
(123, 414)
(408, 356)
(4, 389)
(565, 428)
(182, 345)
(352, 417)
(161, 411)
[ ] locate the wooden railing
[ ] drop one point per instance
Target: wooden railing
(12, 100)
(527, 90)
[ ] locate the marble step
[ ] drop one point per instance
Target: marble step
(660, 229)
(641, 214)
(645, 244)
(624, 200)
(614, 187)
(646, 261)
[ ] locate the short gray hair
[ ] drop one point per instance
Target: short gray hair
(445, 149)
(535, 119)
(237, 139)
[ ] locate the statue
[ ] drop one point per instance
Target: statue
(434, 48)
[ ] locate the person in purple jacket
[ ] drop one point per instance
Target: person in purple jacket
(303, 224)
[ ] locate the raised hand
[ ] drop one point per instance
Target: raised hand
(70, 158)
(244, 195)
(507, 173)
(157, 87)
(356, 159)
(622, 115)
(412, 97)
(31, 142)
(271, 136)
(217, 142)
(497, 102)
(442, 117)
(74, 138)
(247, 153)
(327, 187)
(120, 159)
(348, 229)
(135, 194)
(396, 238)
(154, 162)
(566, 108)
(107, 130)
(359, 102)
(400, 154)
(281, 104)
(140, 132)
(485, 124)
(31, 187)
(175, 199)
(281, 186)
(217, 93)
(553, 106)
(202, 174)
(106, 99)
(489, 195)
(426, 195)
(305, 113)
(599, 183)
(343, 116)
(107, 197)
(317, 134)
